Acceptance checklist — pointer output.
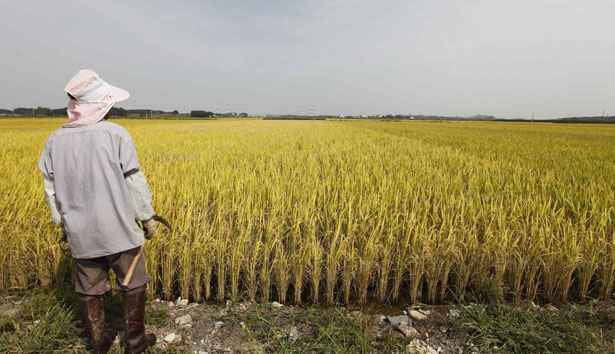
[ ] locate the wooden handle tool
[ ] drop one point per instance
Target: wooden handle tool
(131, 268)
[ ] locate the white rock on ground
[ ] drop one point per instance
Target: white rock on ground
(181, 302)
(276, 305)
(453, 313)
(407, 330)
(244, 306)
(184, 320)
(356, 313)
(419, 346)
(293, 334)
(397, 320)
(172, 338)
(218, 325)
(417, 315)
(550, 307)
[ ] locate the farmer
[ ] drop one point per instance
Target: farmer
(96, 192)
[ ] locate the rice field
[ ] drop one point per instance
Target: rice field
(347, 211)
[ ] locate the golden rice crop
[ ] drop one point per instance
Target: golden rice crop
(338, 211)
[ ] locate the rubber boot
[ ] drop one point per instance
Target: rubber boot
(93, 317)
(136, 340)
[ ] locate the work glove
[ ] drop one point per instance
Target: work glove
(149, 227)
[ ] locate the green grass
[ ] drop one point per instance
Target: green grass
(48, 322)
(157, 317)
(44, 325)
(323, 331)
(508, 329)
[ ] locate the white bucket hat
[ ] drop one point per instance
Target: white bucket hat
(91, 98)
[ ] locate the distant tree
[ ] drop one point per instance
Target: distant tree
(201, 114)
(118, 112)
(139, 112)
(42, 112)
(243, 115)
(58, 112)
(24, 111)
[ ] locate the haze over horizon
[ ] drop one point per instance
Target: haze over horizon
(553, 58)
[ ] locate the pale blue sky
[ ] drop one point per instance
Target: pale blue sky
(501, 57)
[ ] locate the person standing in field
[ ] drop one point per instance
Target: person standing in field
(96, 192)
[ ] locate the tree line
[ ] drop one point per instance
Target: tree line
(118, 112)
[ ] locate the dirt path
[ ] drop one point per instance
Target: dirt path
(246, 327)
(45, 321)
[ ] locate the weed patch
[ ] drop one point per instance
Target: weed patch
(507, 329)
(44, 325)
(325, 331)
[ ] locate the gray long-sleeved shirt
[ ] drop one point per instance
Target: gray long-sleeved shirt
(94, 188)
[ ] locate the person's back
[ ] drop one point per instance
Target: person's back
(97, 194)
(89, 165)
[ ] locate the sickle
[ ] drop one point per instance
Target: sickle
(162, 220)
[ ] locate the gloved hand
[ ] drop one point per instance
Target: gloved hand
(149, 227)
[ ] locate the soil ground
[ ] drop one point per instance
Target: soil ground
(46, 321)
